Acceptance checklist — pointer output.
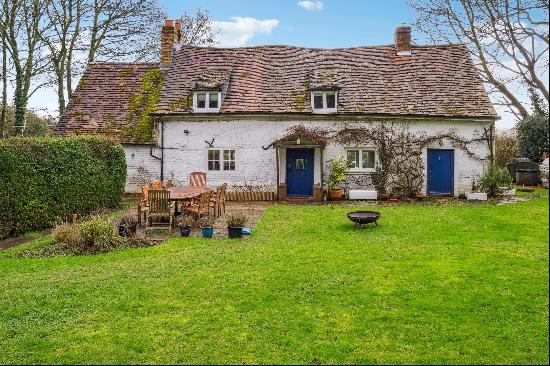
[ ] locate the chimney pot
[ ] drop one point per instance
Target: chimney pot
(178, 25)
(403, 40)
(168, 22)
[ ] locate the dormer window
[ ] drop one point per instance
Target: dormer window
(206, 101)
(324, 101)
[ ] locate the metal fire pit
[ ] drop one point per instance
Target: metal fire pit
(364, 217)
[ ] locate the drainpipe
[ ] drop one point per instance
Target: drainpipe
(161, 158)
(162, 152)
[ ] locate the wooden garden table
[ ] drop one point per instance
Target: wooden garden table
(182, 194)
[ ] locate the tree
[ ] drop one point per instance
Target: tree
(36, 125)
(508, 40)
(197, 29)
(532, 136)
(21, 23)
(4, 110)
(84, 31)
(61, 39)
(123, 30)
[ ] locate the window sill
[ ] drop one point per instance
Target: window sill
(361, 171)
(206, 110)
(325, 111)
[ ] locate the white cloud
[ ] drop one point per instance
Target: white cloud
(311, 5)
(241, 30)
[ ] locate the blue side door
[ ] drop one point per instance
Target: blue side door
(299, 172)
(440, 171)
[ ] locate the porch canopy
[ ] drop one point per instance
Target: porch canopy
(300, 136)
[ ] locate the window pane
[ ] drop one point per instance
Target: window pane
(368, 159)
(300, 164)
(331, 100)
(201, 100)
(318, 100)
(353, 158)
(213, 100)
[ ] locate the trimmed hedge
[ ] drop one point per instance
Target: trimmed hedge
(44, 179)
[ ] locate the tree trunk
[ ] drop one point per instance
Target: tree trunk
(4, 111)
(20, 100)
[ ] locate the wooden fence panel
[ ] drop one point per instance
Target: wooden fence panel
(250, 196)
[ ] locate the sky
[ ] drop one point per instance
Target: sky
(317, 23)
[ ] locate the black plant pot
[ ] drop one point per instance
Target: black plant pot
(235, 232)
(127, 229)
(121, 230)
(185, 230)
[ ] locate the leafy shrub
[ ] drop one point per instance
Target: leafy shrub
(495, 178)
(96, 232)
(65, 233)
(185, 221)
(45, 178)
(93, 236)
(337, 171)
(236, 220)
(205, 221)
(533, 135)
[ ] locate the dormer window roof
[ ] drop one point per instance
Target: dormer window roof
(206, 101)
(324, 101)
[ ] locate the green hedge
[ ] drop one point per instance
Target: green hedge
(45, 179)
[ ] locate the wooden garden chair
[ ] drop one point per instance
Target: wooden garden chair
(157, 184)
(218, 201)
(142, 203)
(159, 207)
(197, 179)
(201, 207)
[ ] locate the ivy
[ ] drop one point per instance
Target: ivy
(143, 104)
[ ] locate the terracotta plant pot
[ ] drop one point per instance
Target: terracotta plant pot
(419, 196)
(383, 196)
(336, 194)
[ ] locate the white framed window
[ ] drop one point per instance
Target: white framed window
(324, 101)
(361, 159)
(206, 101)
(221, 158)
(213, 159)
(229, 160)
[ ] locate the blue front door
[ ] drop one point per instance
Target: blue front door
(299, 172)
(440, 171)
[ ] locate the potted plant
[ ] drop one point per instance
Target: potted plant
(380, 181)
(338, 169)
(184, 222)
(207, 226)
(235, 223)
(127, 225)
(419, 196)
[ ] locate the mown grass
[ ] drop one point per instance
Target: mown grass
(431, 284)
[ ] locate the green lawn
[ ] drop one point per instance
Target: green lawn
(431, 284)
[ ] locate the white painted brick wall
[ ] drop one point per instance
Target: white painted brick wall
(141, 167)
(185, 153)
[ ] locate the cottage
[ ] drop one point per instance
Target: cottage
(268, 118)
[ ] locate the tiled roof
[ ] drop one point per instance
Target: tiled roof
(101, 102)
(433, 81)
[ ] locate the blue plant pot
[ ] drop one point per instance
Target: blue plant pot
(207, 232)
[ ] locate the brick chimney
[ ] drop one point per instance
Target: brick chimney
(167, 38)
(403, 40)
